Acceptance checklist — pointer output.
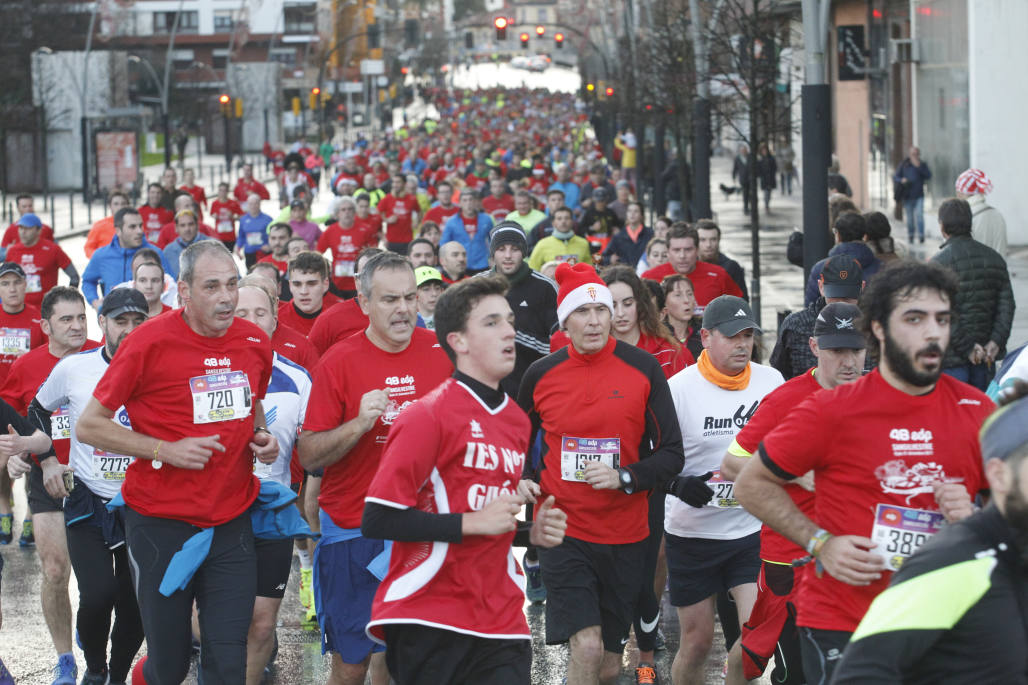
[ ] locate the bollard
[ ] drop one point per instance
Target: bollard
(52, 220)
(71, 210)
(89, 213)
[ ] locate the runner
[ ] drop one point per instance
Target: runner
(112, 264)
(20, 322)
(708, 280)
(345, 240)
(713, 545)
(399, 210)
(464, 622)
(308, 282)
(95, 536)
(64, 324)
(838, 348)
(24, 203)
(186, 234)
(285, 404)
(247, 184)
(154, 214)
(188, 380)
(278, 240)
(149, 280)
(597, 396)
(224, 212)
(198, 194)
(562, 245)
(430, 289)
(421, 251)
(636, 321)
(252, 241)
(40, 259)
(894, 454)
(343, 319)
(102, 231)
(361, 386)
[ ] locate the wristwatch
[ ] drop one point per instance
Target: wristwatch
(261, 429)
(626, 481)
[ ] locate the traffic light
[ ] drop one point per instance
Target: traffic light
(558, 38)
(374, 37)
(590, 87)
(540, 30)
(609, 92)
(315, 92)
(239, 108)
(524, 41)
(469, 40)
(225, 102)
(410, 32)
(501, 28)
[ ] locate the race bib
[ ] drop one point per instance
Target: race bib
(32, 283)
(900, 531)
(60, 424)
(343, 267)
(575, 453)
(724, 492)
(254, 239)
(225, 226)
(15, 342)
(220, 397)
(569, 258)
(109, 466)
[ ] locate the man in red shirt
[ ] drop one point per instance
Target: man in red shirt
(224, 212)
(360, 387)
(894, 456)
(839, 349)
(24, 204)
(498, 203)
(399, 210)
(345, 240)
(40, 259)
(278, 240)
(154, 214)
(248, 184)
(467, 624)
(20, 322)
(191, 383)
(708, 280)
(308, 282)
(196, 192)
(442, 211)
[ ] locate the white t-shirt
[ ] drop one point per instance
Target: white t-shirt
(284, 408)
(71, 385)
(709, 417)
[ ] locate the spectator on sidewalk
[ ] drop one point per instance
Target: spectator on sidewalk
(102, 230)
(787, 171)
(626, 142)
(911, 174)
(987, 224)
(849, 231)
(837, 183)
(767, 172)
(984, 308)
(741, 168)
(710, 251)
(673, 188)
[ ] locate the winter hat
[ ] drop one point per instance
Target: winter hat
(579, 285)
(508, 232)
(973, 182)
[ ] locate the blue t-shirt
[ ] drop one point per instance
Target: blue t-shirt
(253, 232)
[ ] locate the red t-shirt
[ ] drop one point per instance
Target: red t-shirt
(372, 222)
(26, 374)
(154, 219)
(224, 215)
(708, 281)
(433, 462)
(773, 409)
(41, 263)
(498, 209)
(19, 333)
(11, 234)
(671, 360)
(336, 324)
(440, 214)
(403, 208)
(281, 264)
(345, 373)
(292, 345)
(870, 444)
(244, 188)
(199, 196)
(289, 315)
(346, 244)
(176, 383)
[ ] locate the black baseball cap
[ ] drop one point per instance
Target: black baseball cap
(122, 300)
(297, 204)
(11, 268)
(835, 327)
(729, 314)
(843, 277)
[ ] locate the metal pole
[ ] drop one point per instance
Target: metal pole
(71, 211)
(167, 82)
(816, 123)
(83, 121)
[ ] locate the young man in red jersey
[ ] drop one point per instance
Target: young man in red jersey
(308, 282)
(191, 383)
(449, 488)
(361, 386)
(278, 240)
(708, 280)
(41, 259)
(839, 349)
(248, 184)
(345, 239)
(155, 215)
(224, 212)
(24, 204)
(399, 210)
(895, 455)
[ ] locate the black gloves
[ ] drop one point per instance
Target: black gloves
(693, 490)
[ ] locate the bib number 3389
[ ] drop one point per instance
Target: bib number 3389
(220, 397)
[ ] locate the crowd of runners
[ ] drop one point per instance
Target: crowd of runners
(484, 345)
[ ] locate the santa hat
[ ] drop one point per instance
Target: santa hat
(973, 182)
(579, 285)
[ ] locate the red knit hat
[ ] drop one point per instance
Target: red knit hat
(579, 285)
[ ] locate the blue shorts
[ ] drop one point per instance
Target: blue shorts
(343, 592)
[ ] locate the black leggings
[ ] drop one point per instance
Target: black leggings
(647, 609)
(224, 588)
(105, 585)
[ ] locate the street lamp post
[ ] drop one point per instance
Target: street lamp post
(164, 104)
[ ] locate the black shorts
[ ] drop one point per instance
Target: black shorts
(40, 501)
(420, 655)
(699, 568)
(274, 560)
(592, 584)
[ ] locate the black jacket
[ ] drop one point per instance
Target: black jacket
(627, 250)
(985, 301)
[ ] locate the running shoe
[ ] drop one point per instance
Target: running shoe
(66, 672)
(28, 536)
(536, 591)
(5, 676)
(91, 678)
(310, 619)
(306, 588)
(6, 528)
(645, 674)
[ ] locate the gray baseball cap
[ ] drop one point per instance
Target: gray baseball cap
(729, 315)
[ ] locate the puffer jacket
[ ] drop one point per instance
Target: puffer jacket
(985, 302)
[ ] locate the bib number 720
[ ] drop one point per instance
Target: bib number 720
(220, 399)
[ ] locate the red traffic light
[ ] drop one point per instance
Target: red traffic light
(500, 22)
(524, 37)
(223, 99)
(404, 70)
(315, 90)
(559, 37)
(609, 91)
(540, 30)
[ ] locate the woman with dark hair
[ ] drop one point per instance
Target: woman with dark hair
(680, 312)
(879, 237)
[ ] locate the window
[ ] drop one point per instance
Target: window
(284, 56)
(164, 22)
(542, 15)
(224, 22)
(299, 18)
